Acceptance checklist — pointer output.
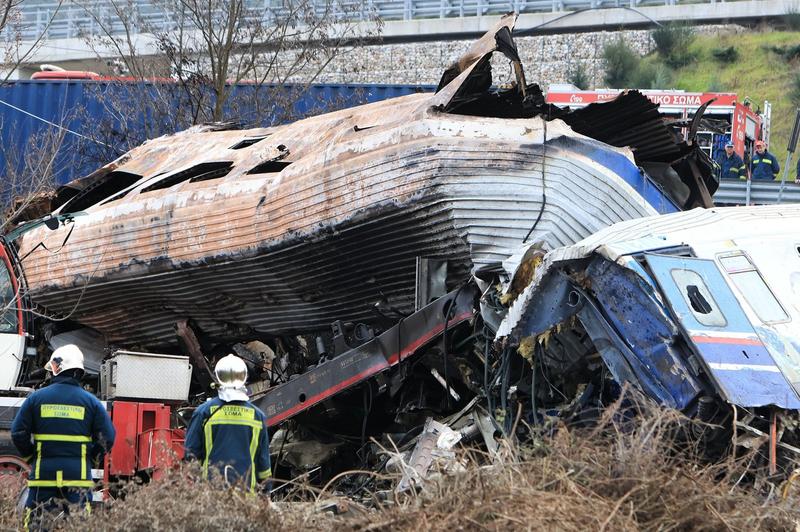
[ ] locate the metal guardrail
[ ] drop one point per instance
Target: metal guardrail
(75, 18)
(734, 192)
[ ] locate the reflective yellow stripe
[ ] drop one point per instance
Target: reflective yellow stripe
(209, 444)
(38, 459)
(62, 411)
(26, 522)
(63, 483)
(233, 415)
(233, 412)
(756, 161)
(265, 474)
(59, 478)
(222, 420)
(88, 507)
(253, 447)
(83, 461)
(742, 168)
(61, 437)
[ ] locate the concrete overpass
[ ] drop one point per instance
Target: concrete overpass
(404, 21)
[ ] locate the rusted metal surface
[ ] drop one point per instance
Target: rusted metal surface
(289, 228)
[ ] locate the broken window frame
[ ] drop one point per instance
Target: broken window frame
(115, 194)
(766, 294)
(714, 317)
(189, 175)
(10, 316)
(247, 142)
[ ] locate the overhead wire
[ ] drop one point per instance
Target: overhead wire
(48, 122)
(532, 30)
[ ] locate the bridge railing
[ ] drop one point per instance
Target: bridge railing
(734, 192)
(75, 20)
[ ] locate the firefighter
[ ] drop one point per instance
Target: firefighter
(229, 434)
(60, 430)
(764, 165)
(731, 165)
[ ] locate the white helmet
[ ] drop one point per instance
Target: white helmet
(65, 357)
(231, 372)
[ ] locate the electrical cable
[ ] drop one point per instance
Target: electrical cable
(48, 122)
(544, 192)
(486, 373)
(367, 410)
(447, 316)
(532, 30)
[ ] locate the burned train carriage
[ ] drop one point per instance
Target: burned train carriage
(354, 258)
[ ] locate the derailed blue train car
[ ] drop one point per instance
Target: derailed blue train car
(698, 310)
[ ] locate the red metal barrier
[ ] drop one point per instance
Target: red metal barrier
(145, 440)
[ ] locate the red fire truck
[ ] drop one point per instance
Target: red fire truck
(745, 125)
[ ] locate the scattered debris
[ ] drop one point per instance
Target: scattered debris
(408, 277)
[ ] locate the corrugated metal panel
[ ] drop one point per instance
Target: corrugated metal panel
(331, 235)
(697, 225)
(77, 106)
(734, 192)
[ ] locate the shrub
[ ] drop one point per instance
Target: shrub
(794, 88)
(788, 53)
(652, 76)
(792, 17)
(725, 55)
(579, 77)
(621, 63)
(672, 38)
(715, 86)
(672, 43)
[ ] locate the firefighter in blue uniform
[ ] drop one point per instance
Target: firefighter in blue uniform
(229, 434)
(61, 429)
(730, 164)
(764, 165)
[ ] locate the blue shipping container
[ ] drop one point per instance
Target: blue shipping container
(100, 120)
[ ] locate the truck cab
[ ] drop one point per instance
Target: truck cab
(12, 325)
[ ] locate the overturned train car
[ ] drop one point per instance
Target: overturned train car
(384, 260)
(698, 310)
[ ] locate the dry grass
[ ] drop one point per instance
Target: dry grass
(616, 476)
(595, 480)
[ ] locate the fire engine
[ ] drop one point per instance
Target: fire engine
(731, 118)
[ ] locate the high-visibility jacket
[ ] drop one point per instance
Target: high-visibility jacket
(232, 438)
(764, 166)
(731, 167)
(60, 429)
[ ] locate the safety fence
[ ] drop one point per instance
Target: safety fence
(76, 18)
(734, 192)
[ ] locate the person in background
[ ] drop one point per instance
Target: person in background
(764, 165)
(730, 164)
(229, 434)
(61, 429)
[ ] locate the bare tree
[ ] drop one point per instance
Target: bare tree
(27, 171)
(14, 50)
(218, 60)
(29, 175)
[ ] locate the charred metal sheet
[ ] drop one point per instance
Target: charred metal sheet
(667, 309)
(629, 306)
(369, 359)
(284, 230)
